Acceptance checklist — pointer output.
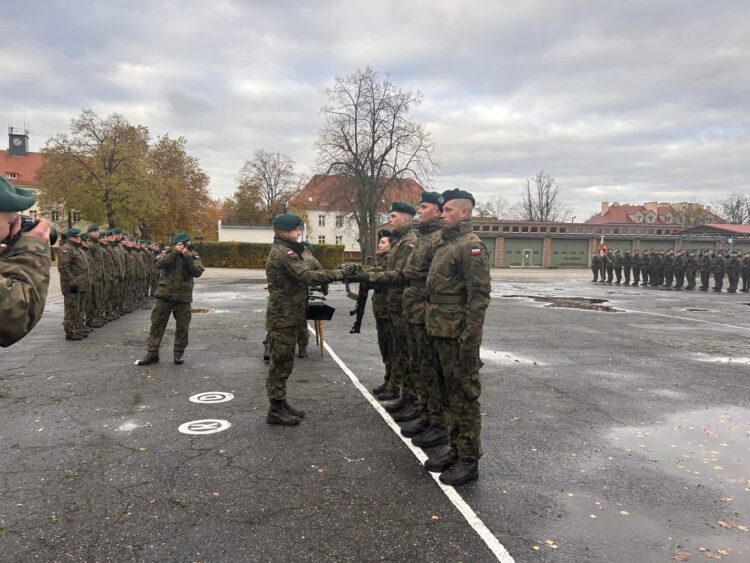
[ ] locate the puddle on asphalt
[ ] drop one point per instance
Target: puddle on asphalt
(708, 448)
(585, 303)
(505, 358)
(204, 310)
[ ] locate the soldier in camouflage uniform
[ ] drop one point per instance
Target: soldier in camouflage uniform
(645, 267)
(24, 266)
(595, 266)
(88, 303)
(668, 269)
(380, 308)
(746, 272)
(636, 267)
(458, 286)
(179, 267)
(680, 266)
(401, 381)
(617, 266)
(288, 281)
(74, 283)
(100, 287)
(734, 265)
(627, 265)
(705, 269)
(719, 268)
(120, 256)
(429, 429)
(691, 269)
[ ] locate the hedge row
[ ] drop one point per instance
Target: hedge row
(254, 254)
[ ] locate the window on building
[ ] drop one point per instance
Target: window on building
(515, 228)
(339, 221)
(485, 227)
(534, 229)
(321, 220)
(553, 229)
(75, 216)
(563, 229)
(506, 228)
(55, 215)
(658, 231)
(11, 175)
(542, 229)
(524, 229)
(321, 239)
(339, 239)
(616, 231)
(495, 228)
(476, 228)
(33, 214)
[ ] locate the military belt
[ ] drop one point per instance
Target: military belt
(447, 299)
(417, 283)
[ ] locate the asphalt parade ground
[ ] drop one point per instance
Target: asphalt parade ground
(616, 427)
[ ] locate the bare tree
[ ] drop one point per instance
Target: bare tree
(497, 207)
(369, 140)
(691, 213)
(540, 200)
(272, 175)
(734, 208)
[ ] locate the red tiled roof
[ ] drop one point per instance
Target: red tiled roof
(729, 227)
(24, 166)
(619, 214)
(333, 193)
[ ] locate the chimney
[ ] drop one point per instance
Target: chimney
(651, 205)
(605, 207)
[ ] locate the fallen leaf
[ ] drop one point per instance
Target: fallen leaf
(535, 547)
(727, 524)
(435, 517)
(550, 542)
(624, 513)
(682, 556)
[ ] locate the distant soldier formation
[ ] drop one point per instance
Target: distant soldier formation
(676, 270)
(103, 275)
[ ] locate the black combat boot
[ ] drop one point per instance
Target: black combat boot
(410, 412)
(414, 428)
(277, 414)
(302, 352)
(397, 405)
(291, 410)
(430, 438)
(148, 359)
(442, 462)
(266, 352)
(388, 395)
(85, 329)
(179, 357)
(461, 472)
(74, 336)
(380, 388)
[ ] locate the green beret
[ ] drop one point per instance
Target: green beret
(92, 228)
(385, 233)
(13, 198)
(403, 207)
(181, 238)
(84, 236)
(431, 197)
(72, 232)
(115, 231)
(458, 194)
(286, 222)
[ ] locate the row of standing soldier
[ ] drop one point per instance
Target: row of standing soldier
(673, 270)
(103, 275)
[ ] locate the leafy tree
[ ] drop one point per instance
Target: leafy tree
(369, 138)
(267, 182)
(99, 169)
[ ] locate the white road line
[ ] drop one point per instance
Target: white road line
(686, 319)
(471, 517)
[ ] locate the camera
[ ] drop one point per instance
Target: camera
(27, 224)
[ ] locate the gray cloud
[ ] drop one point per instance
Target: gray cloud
(628, 101)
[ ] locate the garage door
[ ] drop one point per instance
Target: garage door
(570, 253)
(621, 245)
(523, 253)
(657, 245)
(490, 243)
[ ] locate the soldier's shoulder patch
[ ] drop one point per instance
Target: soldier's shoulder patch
(476, 251)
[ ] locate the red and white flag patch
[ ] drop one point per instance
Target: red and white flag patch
(476, 251)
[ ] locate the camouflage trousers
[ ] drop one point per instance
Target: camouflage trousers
(159, 319)
(281, 343)
(382, 326)
(690, 276)
(705, 276)
(426, 384)
(303, 336)
(154, 284)
(96, 301)
(458, 373)
(73, 307)
(401, 376)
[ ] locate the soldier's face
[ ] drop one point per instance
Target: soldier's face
(294, 235)
(384, 245)
(397, 219)
(454, 212)
(7, 218)
(428, 212)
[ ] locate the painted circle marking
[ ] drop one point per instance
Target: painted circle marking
(211, 397)
(205, 426)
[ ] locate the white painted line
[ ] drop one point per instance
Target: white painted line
(205, 426)
(211, 397)
(474, 521)
(686, 319)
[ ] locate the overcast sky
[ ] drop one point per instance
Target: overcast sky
(625, 101)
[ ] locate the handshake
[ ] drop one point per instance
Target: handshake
(353, 273)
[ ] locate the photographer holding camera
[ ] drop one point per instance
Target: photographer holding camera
(24, 264)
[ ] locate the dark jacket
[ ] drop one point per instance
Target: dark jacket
(177, 273)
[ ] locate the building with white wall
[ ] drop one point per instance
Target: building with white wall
(238, 232)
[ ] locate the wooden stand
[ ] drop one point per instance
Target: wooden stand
(319, 336)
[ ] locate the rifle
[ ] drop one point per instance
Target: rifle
(361, 299)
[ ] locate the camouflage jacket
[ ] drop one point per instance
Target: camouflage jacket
(706, 264)
(177, 273)
(314, 265)
(595, 261)
(680, 263)
(691, 264)
(746, 265)
(88, 259)
(458, 286)
(416, 269)
(403, 243)
(734, 265)
(97, 253)
(288, 278)
(380, 292)
(636, 261)
(627, 260)
(24, 280)
(617, 260)
(667, 263)
(120, 256)
(719, 264)
(108, 272)
(72, 267)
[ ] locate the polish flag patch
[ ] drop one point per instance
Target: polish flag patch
(476, 251)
